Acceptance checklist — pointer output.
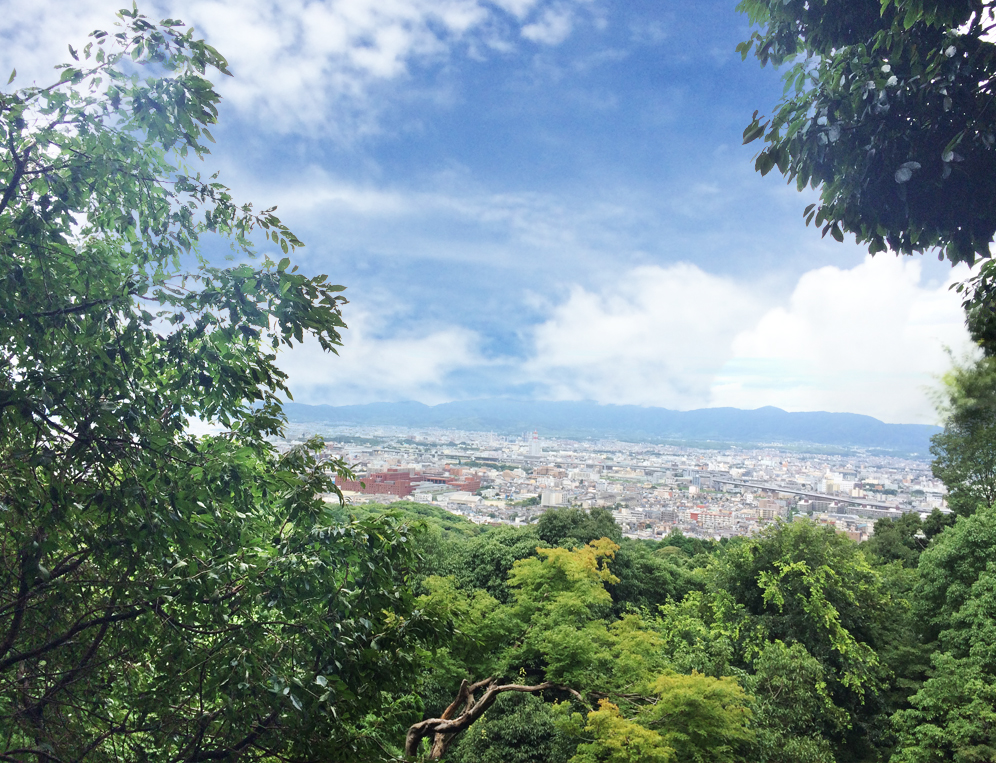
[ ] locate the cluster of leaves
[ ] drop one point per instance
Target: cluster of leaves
(904, 538)
(888, 112)
(557, 630)
(691, 718)
(965, 452)
(951, 717)
(161, 596)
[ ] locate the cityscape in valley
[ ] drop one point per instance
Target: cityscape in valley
(651, 488)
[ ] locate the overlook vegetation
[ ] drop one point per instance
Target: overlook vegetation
(165, 597)
(567, 644)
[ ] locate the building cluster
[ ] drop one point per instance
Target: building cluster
(651, 488)
(406, 482)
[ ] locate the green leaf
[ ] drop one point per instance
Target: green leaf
(753, 131)
(13, 74)
(765, 161)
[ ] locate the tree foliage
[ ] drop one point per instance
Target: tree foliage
(557, 638)
(648, 580)
(898, 540)
(688, 719)
(904, 538)
(161, 596)
(888, 112)
(519, 728)
(807, 589)
(965, 452)
(580, 525)
(486, 561)
(952, 715)
(616, 739)
(793, 646)
(802, 583)
(792, 706)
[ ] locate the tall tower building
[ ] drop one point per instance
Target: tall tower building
(534, 446)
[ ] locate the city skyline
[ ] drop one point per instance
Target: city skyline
(651, 489)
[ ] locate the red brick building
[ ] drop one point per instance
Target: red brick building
(402, 482)
(454, 476)
(392, 482)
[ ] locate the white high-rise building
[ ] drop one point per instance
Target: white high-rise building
(534, 445)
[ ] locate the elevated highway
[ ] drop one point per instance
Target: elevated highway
(809, 494)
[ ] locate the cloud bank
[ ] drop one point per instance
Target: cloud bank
(374, 367)
(300, 64)
(655, 336)
(870, 339)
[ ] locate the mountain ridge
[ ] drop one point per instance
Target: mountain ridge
(589, 419)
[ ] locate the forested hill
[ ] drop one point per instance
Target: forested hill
(588, 419)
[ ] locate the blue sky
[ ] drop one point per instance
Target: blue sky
(543, 199)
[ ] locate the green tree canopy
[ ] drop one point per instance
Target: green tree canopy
(798, 584)
(888, 112)
(164, 597)
(648, 580)
(965, 452)
(690, 719)
(898, 540)
(485, 561)
(791, 705)
(953, 577)
(557, 525)
(953, 715)
(557, 638)
(519, 728)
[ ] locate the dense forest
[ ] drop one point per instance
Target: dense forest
(169, 597)
(568, 642)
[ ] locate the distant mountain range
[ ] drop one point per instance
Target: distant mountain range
(632, 422)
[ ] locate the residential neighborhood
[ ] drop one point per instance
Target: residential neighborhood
(704, 490)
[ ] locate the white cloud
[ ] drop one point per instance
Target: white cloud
(453, 219)
(34, 35)
(870, 339)
(654, 336)
(297, 62)
(552, 27)
(317, 195)
(866, 340)
(371, 367)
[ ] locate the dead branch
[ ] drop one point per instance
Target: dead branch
(444, 729)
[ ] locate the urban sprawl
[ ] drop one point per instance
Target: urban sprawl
(651, 488)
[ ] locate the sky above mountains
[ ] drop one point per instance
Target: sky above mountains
(543, 199)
